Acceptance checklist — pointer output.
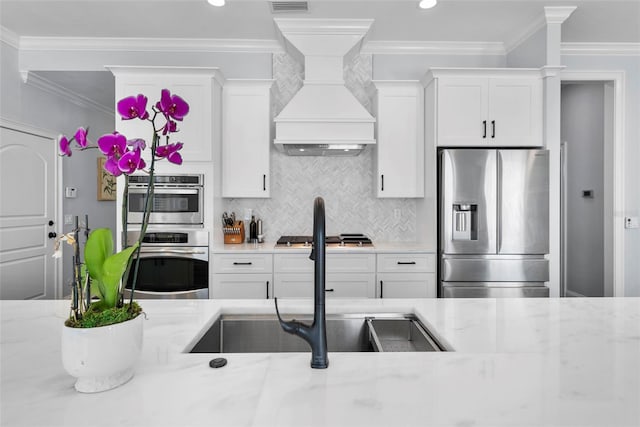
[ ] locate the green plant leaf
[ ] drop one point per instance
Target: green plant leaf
(113, 269)
(99, 246)
(105, 267)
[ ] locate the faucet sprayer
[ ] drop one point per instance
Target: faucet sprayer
(316, 333)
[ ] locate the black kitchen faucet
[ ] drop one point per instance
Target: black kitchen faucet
(316, 334)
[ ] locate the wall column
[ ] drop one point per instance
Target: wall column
(554, 17)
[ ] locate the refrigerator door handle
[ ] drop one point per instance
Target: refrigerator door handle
(499, 201)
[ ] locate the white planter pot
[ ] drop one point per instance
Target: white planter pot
(102, 358)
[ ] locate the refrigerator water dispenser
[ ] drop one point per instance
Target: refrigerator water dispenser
(465, 221)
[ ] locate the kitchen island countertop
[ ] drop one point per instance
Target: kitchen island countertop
(533, 362)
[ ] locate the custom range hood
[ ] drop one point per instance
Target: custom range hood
(323, 117)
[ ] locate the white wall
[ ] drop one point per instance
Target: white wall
(23, 103)
(631, 66)
(583, 130)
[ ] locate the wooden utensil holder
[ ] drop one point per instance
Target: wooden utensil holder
(234, 234)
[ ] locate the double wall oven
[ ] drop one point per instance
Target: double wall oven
(174, 255)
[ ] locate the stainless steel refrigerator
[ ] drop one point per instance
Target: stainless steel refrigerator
(493, 223)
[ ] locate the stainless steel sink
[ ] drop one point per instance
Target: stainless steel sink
(345, 333)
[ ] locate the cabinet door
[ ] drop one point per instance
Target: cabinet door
(241, 286)
(406, 263)
(246, 139)
(242, 263)
(515, 112)
(462, 111)
(194, 131)
(337, 285)
(400, 145)
(406, 285)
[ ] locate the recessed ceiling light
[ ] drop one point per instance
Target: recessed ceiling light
(427, 4)
(216, 3)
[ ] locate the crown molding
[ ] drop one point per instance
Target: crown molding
(9, 37)
(47, 85)
(149, 44)
(620, 49)
(558, 14)
(433, 48)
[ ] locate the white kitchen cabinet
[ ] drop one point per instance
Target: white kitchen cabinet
(399, 150)
(241, 286)
(347, 275)
(246, 124)
(486, 107)
(240, 275)
(199, 87)
(406, 275)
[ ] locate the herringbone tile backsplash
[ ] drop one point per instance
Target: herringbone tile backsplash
(345, 183)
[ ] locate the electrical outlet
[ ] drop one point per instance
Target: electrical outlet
(631, 222)
(68, 219)
(397, 213)
(247, 214)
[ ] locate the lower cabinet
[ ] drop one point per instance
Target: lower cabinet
(348, 275)
(406, 275)
(241, 276)
(352, 276)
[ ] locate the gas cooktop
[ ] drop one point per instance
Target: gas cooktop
(343, 240)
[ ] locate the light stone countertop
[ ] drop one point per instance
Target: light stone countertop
(270, 247)
(518, 362)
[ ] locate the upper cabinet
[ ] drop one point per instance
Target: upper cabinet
(201, 88)
(486, 107)
(246, 126)
(400, 139)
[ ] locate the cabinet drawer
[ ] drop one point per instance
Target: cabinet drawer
(406, 285)
(241, 263)
(300, 285)
(240, 286)
(335, 263)
(406, 263)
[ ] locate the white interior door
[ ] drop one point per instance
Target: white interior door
(28, 192)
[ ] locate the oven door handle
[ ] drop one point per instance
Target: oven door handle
(173, 251)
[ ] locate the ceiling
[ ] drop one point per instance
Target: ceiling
(503, 21)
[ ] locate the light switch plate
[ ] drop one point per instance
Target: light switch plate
(70, 193)
(631, 222)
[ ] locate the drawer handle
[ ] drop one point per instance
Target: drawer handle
(406, 263)
(329, 290)
(242, 263)
(267, 289)
(381, 287)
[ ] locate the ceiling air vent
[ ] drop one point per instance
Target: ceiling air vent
(289, 6)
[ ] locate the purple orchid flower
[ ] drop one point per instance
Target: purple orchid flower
(133, 107)
(81, 137)
(63, 144)
(170, 152)
(113, 144)
(130, 162)
(169, 127)
(137, 144)
(111, 166)
(172, 105)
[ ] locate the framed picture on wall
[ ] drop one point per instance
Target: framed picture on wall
(106, 182)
